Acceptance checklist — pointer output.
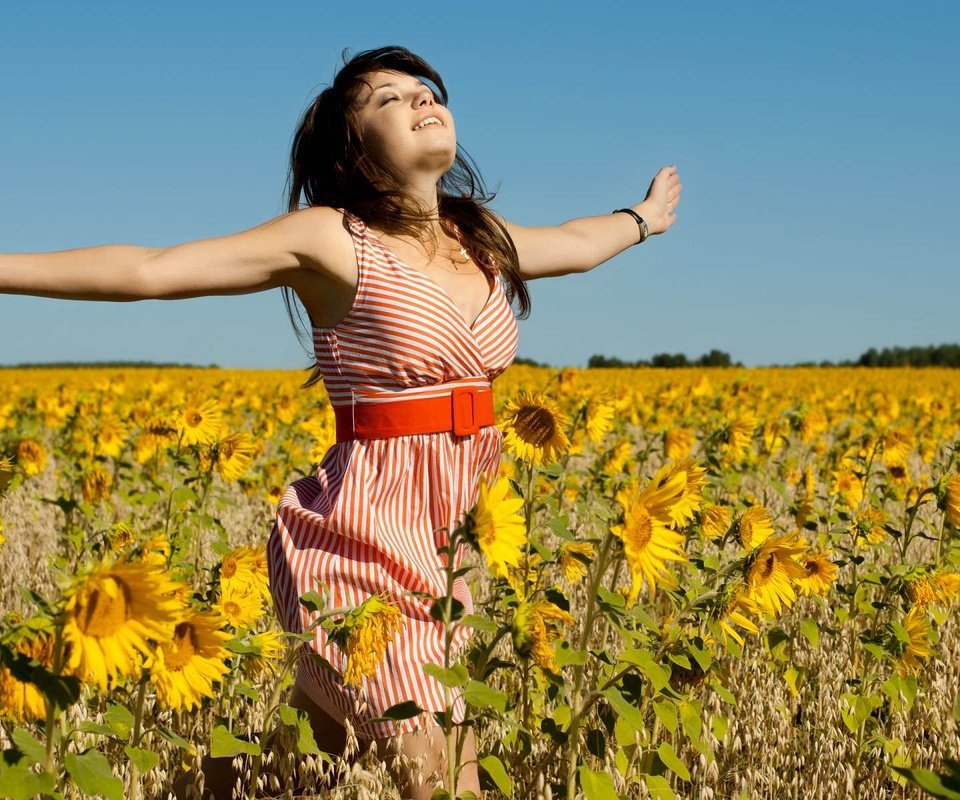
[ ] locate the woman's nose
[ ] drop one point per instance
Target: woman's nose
(425, 98)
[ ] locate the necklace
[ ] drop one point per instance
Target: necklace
(464, 255)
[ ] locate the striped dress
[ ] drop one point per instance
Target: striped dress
(372, 517)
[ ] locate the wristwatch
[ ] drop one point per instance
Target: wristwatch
(644, 229)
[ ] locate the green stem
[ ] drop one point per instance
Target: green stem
(573, 730)
(173, 469)
(51, 721)
(449, 728)
(133, 785)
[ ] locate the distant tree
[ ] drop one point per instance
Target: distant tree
(529, 362)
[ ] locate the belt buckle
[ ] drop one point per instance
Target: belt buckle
(463, 401)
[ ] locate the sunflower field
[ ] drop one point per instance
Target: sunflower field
(690, 583)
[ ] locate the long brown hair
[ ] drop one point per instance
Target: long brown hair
(330, 167)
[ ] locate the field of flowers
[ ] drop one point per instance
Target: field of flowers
(696, 583)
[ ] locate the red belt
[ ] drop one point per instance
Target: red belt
(463, 411)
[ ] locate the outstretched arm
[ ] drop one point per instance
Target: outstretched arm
(586, 242)
(264, 257)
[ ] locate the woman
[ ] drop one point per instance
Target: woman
(407, 281)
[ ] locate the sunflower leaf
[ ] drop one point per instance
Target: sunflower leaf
(658, 787)
(120, 719)
(223, 743)
(930, 782)
(493, 766)
(482, 696)
(453, 677)
(20, 783)
(30, 747)
(479, 623)
(597, 785)
(92, 774)
(174, 739)
(400, 711)
(299, 720)
(672, 761)
(145, 759)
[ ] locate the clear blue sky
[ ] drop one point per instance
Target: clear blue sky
(817, 144)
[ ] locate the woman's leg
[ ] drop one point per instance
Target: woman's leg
(220, 776)
(420, 765)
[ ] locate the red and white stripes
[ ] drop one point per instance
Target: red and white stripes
(372, 517)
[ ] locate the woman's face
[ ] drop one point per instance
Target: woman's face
(389, 111)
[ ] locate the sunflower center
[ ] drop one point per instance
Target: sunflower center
(766, 568)
(193, 418)
(232, 609)
(535, 425)
(229, 569)
(641, 529)
(106, 610)
(183, 647)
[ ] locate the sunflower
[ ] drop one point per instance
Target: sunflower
(6, 472)
(867, 527)
(240, 608)
(617, 457)
(754, 527)
(949, 500)
(678, 443)
(200, 424)
(896, 447)
(536, 625)
(24, 702)
(234, 456)
(95, 485)
(715, 521)
(498, 525)
(738, 433)
(31, 457)
(110, 436)
(947, 586)
(847, 486)
(535, 428)
(599, 417)
(364, 634)
(732, 610)
(921, 590)
(270, 648)
(158, 433)
(184, 668)
(915, 648)
(111, 614)
(119, 536)
(820, 573)
(772, 571)
(155, 552)
(648, 541)
(572, 558)
(689, 502)
(245, 569)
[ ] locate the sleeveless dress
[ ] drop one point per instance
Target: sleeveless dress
(372, 517)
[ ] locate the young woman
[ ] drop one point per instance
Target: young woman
(407, 280)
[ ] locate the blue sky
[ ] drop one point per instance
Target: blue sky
(817, 144)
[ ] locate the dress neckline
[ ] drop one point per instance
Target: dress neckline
(470, 326)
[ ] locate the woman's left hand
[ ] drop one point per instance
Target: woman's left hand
(659, 207)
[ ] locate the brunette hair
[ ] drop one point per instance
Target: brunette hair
(330, 167)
